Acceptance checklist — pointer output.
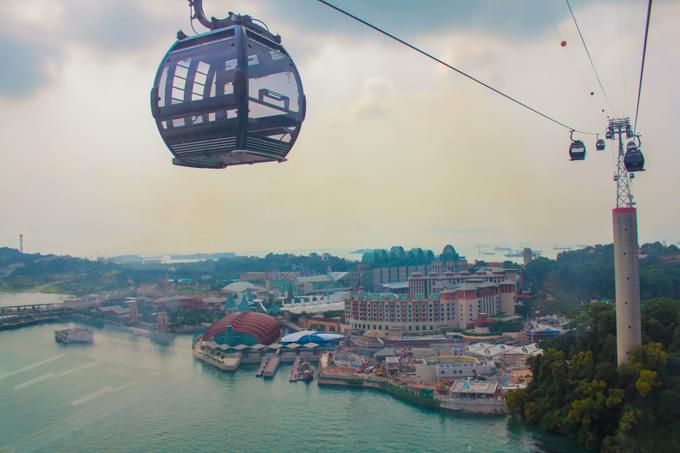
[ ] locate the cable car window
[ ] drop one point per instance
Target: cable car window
(200, 79)
(196, 73)
(273, 88)
(180, 80)
(162, 82)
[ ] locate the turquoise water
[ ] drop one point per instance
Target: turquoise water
(126, 393)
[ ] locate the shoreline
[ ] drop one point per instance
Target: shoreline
(415, 396)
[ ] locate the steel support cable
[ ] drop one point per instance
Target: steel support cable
(551, 21)
(623, 66)
(642, 65)
(453, 68)
(585, 46)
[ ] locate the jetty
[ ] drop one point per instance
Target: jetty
(268, 366)
(222, 361)
(294, 371)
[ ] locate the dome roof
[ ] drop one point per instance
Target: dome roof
(261, 328)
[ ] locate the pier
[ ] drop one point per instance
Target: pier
(16, 316)
(294, 371)
(268, 366)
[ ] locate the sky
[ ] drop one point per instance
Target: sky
(395, 149)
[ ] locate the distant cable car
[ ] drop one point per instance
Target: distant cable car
(609, 135)
(228, 96)
(563, 43)
(599, 144)
(577, 149)
(634, 160)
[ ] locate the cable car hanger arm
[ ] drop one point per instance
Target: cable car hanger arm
(198, 13)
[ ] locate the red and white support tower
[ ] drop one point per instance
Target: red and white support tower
(626, 249)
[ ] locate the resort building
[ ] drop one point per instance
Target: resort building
(450, 368)
(435, 302)
(396, 264)
(323, 324)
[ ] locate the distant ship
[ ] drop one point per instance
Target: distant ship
(561, 248)
(514, 255)
(77, 335)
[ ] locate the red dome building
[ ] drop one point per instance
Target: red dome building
(247, 328)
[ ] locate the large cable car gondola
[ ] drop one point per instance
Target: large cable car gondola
(577, 149)
(599, 144)
(228, 96)
(634, 160)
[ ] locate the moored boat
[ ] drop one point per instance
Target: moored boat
(75, 335)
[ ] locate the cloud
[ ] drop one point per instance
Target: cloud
(117, 27)
(393, 150)
(375, 98)
(520, 19)
(26, 67)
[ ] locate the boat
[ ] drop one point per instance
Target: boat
(162, 337)
(75, 335)
(305, 372)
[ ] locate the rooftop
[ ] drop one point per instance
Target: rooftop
(469, 387)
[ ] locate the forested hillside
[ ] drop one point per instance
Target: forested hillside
(578, 391)
(581, 276)
(66, 274)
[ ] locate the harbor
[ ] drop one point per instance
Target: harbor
(79, 397)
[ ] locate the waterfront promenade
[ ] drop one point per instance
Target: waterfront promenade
(421, 395)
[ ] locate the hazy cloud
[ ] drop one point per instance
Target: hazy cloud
(26, 66)
(116, 26)
(375, 98)
(427, 158)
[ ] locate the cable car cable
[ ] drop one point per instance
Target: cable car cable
(574, 66)
(623, 66)
(453, 68)
(642, 66)
(585, 46)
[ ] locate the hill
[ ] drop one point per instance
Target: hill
(580, 276)
(70, 275)
(579, 392)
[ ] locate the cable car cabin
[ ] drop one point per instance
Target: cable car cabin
(599, 144)
(577, 150)
(634, 160)
(229, 96)
(609, 135)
